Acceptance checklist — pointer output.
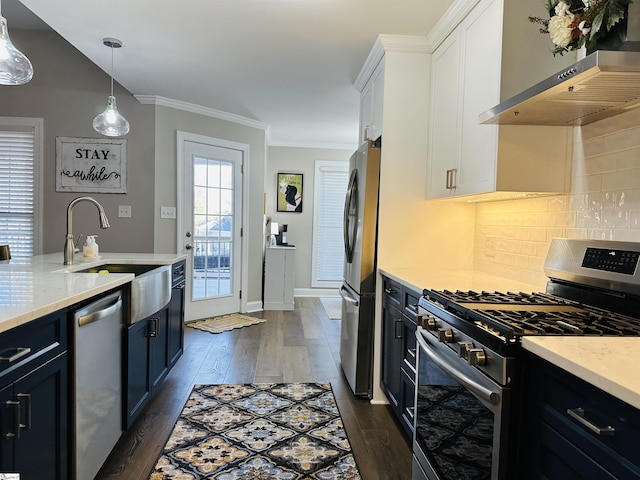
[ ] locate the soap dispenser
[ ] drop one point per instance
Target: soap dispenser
(90, 249)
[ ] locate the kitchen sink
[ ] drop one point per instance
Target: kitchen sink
(150, 289)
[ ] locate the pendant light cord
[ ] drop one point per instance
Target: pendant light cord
(112, 70)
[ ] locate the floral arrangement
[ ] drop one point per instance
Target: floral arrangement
(574, 23)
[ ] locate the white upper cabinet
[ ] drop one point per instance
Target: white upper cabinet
(371, 100)
(470, 74)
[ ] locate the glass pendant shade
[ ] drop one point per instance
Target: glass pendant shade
(110, 122)
(15, 67)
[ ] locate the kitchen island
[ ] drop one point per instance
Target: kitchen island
(67, 337)
(33, 287)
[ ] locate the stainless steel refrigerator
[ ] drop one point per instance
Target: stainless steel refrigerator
(359, 283)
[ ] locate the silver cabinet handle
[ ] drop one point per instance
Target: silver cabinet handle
(16, 419)
(27, 398)
(398, 332)
(578, 415)
(20, 352)
(154, 332)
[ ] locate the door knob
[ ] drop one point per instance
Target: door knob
(188, 234)
(188, 246)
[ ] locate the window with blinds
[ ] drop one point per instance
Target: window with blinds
(19, 185)
(330, 188)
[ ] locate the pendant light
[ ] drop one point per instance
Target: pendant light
(110, 122)
(15, 67)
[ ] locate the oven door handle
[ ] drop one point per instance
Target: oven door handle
(479, 390)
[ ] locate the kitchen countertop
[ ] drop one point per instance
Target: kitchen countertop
(608, 363)
(36, 286)
(418, 279)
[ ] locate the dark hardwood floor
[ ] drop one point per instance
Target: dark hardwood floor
(298, 346)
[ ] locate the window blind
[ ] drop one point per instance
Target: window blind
(18, 191)
(331, 180)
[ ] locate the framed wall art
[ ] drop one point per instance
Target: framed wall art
(97, 165)
(289, 192)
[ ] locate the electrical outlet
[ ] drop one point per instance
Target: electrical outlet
(167, 212)
(124, 211)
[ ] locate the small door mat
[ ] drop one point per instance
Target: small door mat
(225, 323)
(333, 307)
(285, 431)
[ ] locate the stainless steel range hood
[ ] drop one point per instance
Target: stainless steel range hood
(600, 85)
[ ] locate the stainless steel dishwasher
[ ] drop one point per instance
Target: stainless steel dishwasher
(98, 382)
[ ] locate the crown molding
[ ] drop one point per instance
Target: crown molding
(230, 117)
(450, 20)
(198, 109)
(414, 43)
(334, 146)
(390, 43)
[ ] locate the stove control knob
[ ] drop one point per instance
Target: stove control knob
(464, 348)
(476, 357)
(431, 323)
(445, 335)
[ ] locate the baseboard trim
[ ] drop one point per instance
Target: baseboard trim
(253, 307)
(316, 292)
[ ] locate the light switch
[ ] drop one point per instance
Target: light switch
(124, 211)
(167, 212)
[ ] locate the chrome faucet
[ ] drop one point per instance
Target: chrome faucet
(69, 245)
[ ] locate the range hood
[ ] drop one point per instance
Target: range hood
(603, 84)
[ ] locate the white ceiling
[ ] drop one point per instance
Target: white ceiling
(288, 64)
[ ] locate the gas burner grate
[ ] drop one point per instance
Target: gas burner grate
(516, 298)
(584, 322)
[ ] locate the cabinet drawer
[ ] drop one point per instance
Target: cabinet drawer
(177, 273)
(561, 392)
(410, 303)
(37, 341)
(392, 291)
(409, 336)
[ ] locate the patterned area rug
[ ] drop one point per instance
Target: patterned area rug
(288, 431)
(224, 323)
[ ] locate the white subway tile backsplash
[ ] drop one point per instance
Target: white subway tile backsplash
(512, 237)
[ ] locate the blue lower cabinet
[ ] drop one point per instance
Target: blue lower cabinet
(33, 398)
(574, 430)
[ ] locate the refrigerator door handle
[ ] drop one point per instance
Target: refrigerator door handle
(344, 293)
(350, 206)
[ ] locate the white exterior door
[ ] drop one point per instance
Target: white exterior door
(211, 223)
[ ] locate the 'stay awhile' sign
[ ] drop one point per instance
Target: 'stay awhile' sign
(91, 165)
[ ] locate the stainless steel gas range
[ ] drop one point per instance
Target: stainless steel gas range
(468, 376)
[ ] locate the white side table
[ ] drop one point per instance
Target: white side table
(279, 278)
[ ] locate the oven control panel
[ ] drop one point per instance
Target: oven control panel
(608, 260)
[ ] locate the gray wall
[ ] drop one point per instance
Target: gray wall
(67, 91)
(168, 122)
(299, 225)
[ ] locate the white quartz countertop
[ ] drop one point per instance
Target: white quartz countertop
(609, 363)
(37, 286)
(420, 278)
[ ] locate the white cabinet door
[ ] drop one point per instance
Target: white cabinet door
(480, 51)
(371, 102)
(443, 138)
(366, 103)
(377, 102)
